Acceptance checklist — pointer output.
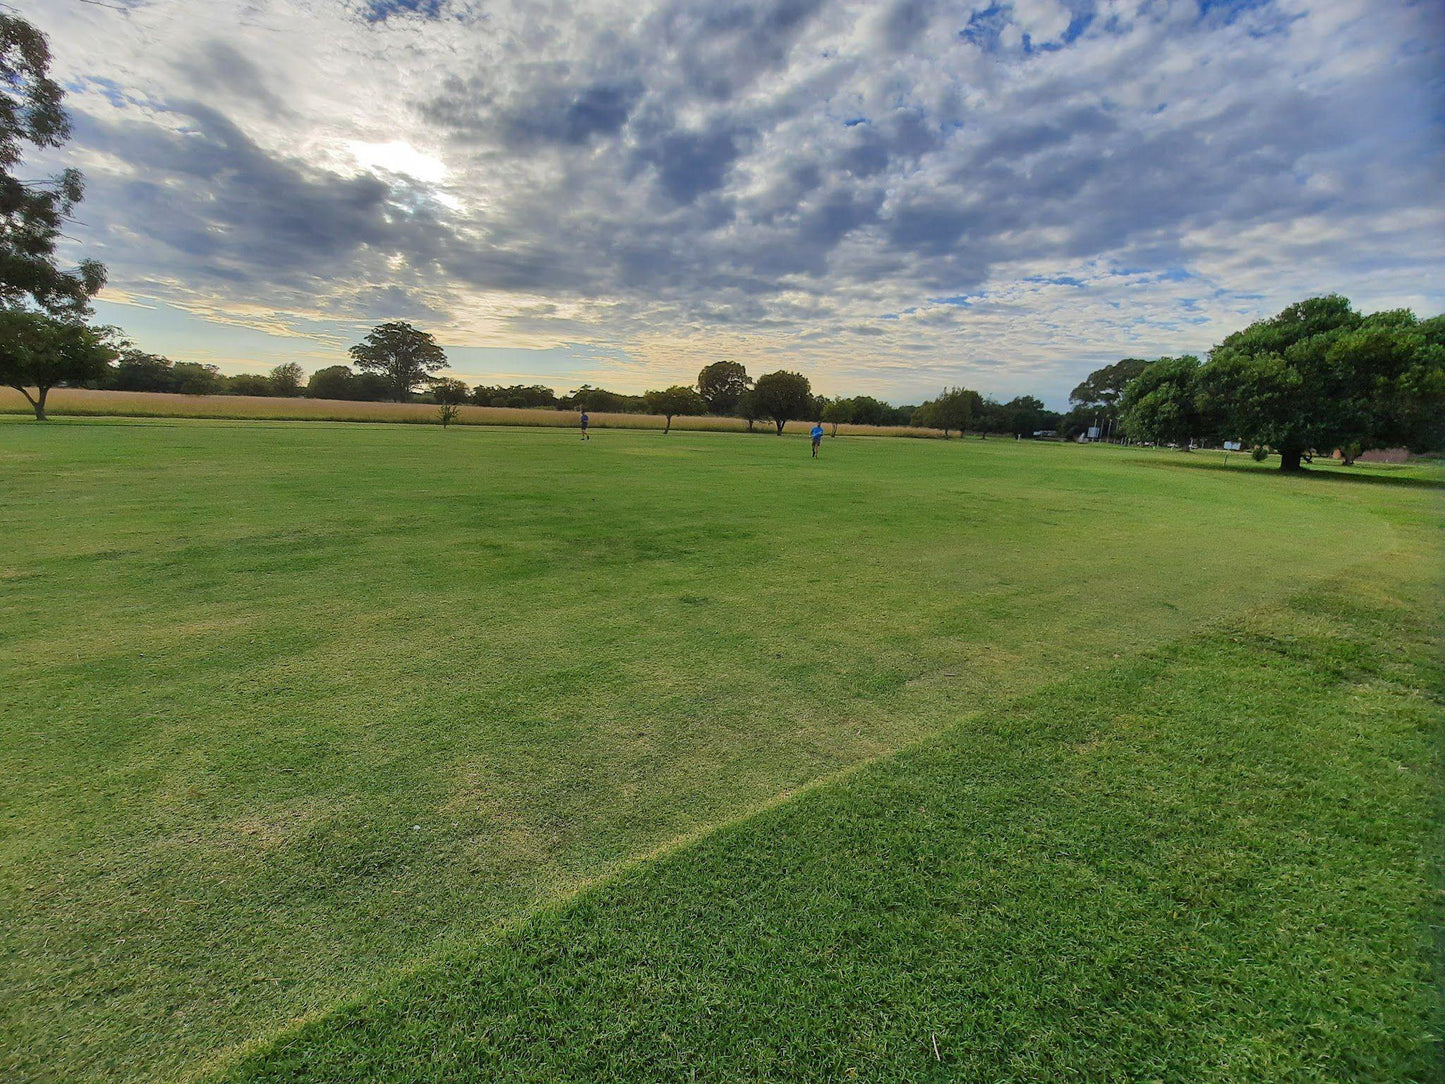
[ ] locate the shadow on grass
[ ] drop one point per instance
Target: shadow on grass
(1325, 473)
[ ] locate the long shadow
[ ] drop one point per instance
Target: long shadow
(1207, 462)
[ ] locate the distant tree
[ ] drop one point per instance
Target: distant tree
(402, 354)
(722, 384)
(869, 411)
(1023, 415)
(1098, 394)
(672, 401)
(286, 379)
(838, 411)
(332, 382)
(449, 395)
(516, 396)
(138, 370)
(783, 396)
(748, 409)
(193, 378)
(1160, 404)
(248, 384)
(600, 400)
(32, 213)
(1319, 377)
(954, 409)
(371, 388)
(38, 351)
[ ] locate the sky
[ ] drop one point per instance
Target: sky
(890, 197)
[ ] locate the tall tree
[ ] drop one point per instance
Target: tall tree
(39, 351)
(722, 384)
(672, 401)
(1160, 404)
(783, 396)
(1102, 389)
(402, 354)
(33, 213)
(1320, 376)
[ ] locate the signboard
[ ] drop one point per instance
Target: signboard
(1232, 446)
(1093, 432)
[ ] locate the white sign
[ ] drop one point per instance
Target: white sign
(1232, 446)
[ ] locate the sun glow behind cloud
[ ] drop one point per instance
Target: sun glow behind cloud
(888, 196)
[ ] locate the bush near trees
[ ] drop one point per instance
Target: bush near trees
(836, 412)
(449, 395)
(516, 396)
(249, 384)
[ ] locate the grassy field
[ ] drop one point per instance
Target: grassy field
(387, 752)
(89, 403)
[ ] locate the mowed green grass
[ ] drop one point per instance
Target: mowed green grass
(300, 716)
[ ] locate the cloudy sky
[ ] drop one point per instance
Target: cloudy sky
(888, 196)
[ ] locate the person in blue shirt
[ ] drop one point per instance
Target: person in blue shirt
(817, 436)
(585, 435)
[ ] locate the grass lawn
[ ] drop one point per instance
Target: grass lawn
(331, 752)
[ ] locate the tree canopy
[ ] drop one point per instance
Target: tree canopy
(783, 396)
(672, 401)
(404, 355)
(33, 213)
(722, 384)
(38, 351)
(1160, 404)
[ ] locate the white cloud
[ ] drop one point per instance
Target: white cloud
(672, 182)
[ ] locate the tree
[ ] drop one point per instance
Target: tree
(1160, 406)
(748, 408)
(286, 379)
(38, 351)
(401, 354)
(33, 213)
(722, 385)
(518, 395)
(193, 378)
(1320, 376)
(838, 410)
(138, 370)
(869, 411)
(953, 409)
(248, 384)
(672, 401)
(332, 382)
(449, 394)
(783, 396)
(1099, 393)
(1023, 415)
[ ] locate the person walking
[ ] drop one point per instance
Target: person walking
(585, 435)
(817, 436)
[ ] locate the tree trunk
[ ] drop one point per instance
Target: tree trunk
(666, 429)
(750, 425)
(36, 404)
(1289, 459)
(781, 422)
(835, 429)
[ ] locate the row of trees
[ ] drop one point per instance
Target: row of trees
(1318, 378)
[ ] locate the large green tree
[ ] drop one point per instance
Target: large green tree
(1320, 376)
(1160, 405)
(32, 213)
(39, 351)
(783, 396)
(836, 412)
(1102, 389)
(670, 402)
(722, 384)
(405, 356)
